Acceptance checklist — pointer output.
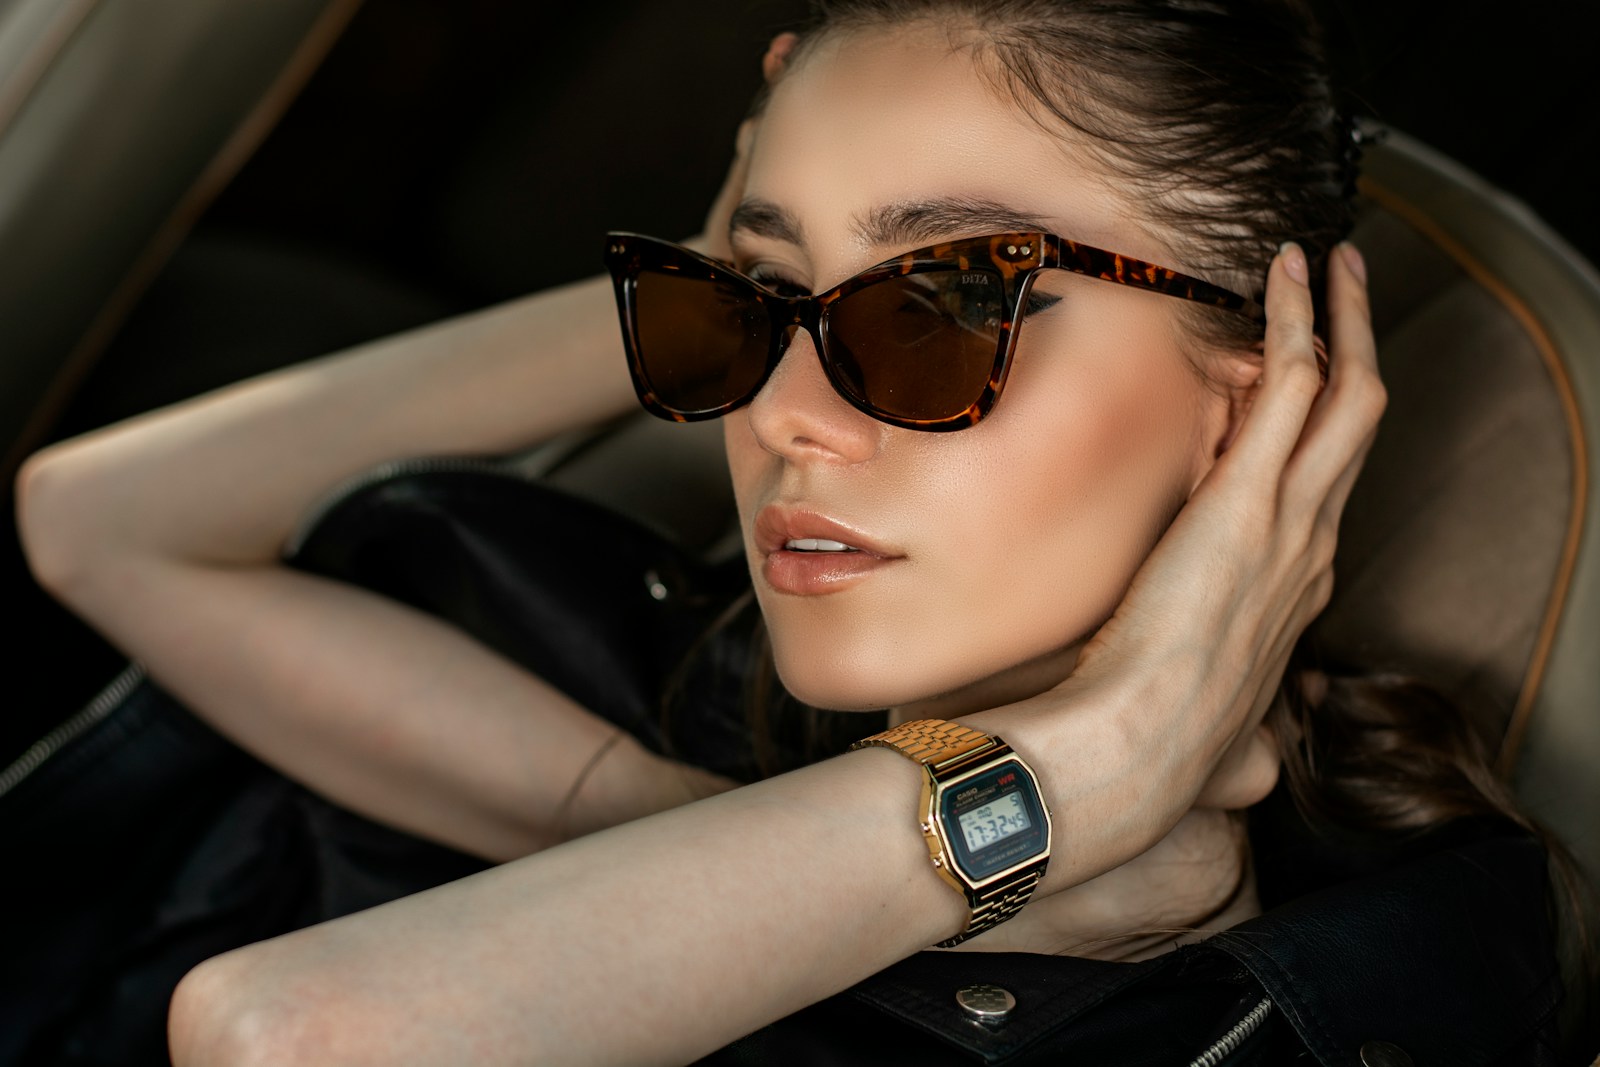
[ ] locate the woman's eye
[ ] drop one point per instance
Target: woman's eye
(774, 282)
(1038, 302)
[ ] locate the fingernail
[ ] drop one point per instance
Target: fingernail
(1353, 260)
(1294, 262)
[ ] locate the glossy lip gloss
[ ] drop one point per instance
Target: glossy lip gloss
(802, 573)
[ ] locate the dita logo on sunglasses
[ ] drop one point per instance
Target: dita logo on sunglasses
(921, 341)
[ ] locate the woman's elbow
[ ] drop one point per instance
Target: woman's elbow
(75, 512)
(219, 1017)
(53, 520)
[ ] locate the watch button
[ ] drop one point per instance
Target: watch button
(986, 1003)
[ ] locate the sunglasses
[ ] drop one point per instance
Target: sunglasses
(922, 341)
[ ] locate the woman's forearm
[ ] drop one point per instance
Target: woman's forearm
(164, 533)
(222, 479)
(653, 942)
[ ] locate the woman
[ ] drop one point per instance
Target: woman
(1107, 563)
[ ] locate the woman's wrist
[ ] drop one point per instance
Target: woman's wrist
(1109, 796)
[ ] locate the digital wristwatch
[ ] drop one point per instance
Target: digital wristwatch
(987, 829)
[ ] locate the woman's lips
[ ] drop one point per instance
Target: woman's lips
(783, 534)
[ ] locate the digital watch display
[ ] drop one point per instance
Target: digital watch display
(987, 830)
(996, 812)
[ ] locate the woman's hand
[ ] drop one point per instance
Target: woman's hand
(1194, 881)
(713, 240)
(1192, 658)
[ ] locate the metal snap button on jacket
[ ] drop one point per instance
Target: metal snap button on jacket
(986, 1003)
(1383, 1054)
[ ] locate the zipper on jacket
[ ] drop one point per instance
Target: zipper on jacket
(530, 465)
(79, 724)
(1230, 1041)
(382, 473)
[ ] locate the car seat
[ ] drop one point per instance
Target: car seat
(119, 123)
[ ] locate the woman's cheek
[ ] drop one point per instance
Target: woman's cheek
(1027, 531)
(1079, 496)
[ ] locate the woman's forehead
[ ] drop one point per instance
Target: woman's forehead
(877, 139)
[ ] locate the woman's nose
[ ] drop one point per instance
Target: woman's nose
(798, 415)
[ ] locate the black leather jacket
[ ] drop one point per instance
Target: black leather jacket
(1439, 947)
(1442, 952)
(1444, 959)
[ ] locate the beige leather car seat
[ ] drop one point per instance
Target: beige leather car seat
(1468, 556)
(119, 122)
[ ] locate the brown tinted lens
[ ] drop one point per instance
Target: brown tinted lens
(703, 344)
(921, 346)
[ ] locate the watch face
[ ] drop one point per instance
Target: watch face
(993, 820)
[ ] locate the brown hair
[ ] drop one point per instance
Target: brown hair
(1185, 103)
(1218, 119)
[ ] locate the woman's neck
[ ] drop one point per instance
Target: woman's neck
(1009, 686)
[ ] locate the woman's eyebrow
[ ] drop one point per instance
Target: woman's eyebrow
(763, 218)
(899, 225)
(918, 222)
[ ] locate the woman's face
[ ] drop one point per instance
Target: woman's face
(993, 552)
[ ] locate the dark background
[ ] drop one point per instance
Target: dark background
(453, 153)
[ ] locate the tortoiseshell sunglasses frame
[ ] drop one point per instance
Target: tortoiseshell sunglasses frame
(1014, 257)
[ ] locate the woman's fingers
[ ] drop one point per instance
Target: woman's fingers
(777, 56)
(714, 238)
(1290, 380)
(1350, 314)
(1345, 418)
(1248, 563)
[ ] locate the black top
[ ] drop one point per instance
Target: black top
(1439, 948)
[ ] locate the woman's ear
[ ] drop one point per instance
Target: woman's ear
(1239, 376)
(777, 54)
